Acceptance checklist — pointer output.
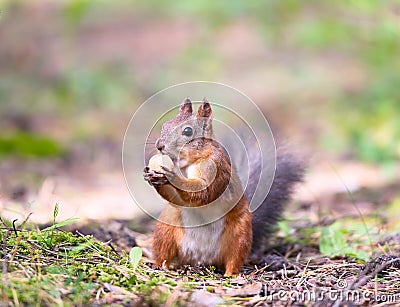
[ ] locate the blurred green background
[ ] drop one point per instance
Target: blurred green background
(73, 72)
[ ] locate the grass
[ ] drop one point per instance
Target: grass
(56, 267)
(71, 270)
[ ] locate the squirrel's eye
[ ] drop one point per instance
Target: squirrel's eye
(187, 131)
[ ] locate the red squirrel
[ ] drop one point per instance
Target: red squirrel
(203, 174)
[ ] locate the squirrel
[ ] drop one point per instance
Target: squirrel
(204, 175)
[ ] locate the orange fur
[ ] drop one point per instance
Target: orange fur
(167, 238)
(235, 234)
(236, 239)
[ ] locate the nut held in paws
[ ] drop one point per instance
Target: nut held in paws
(159, 160)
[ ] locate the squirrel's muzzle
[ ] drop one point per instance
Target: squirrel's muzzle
(160, 145)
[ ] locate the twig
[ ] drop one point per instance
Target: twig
(360, 282)
(15, 229)
(15, 249)
(5, 263)
(41, 247)
(379, 268)
(26, 220)
(6, 226)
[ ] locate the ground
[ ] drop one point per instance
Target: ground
(332, 261)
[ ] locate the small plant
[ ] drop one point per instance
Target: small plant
(134, 256)
(48, 233)
(336, 240)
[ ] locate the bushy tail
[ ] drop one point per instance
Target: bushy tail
(289, 171)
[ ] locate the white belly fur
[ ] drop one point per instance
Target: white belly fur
(201, 244)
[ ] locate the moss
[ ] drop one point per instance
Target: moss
(57, 267)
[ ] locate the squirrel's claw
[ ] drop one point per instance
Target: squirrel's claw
(154, 178)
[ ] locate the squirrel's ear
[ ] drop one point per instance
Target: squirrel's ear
(186, 107)
(204, 109)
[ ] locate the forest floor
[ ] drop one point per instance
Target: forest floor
(56, 267)
(340, 248)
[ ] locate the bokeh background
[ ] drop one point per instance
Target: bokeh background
(325, 73)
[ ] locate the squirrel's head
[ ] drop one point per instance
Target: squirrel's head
(183, 137)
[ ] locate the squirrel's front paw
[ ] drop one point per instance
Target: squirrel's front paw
(154, 178)
(169, 174)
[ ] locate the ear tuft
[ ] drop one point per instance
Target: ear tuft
(204, 109)
(186, 107)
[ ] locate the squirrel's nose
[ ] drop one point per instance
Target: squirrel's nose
(159, 145)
